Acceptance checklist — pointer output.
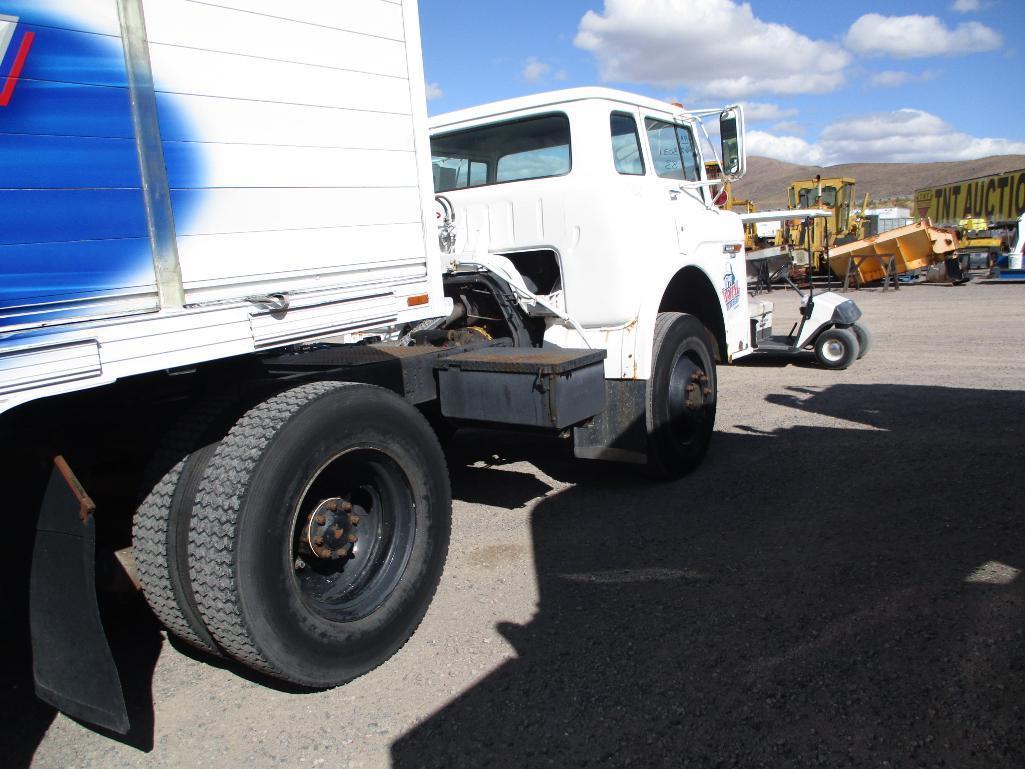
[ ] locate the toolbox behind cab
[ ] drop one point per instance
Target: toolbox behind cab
(552, 388)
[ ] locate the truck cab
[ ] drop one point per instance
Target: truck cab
(600, 199)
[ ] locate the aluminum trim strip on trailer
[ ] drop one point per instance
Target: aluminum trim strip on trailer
(155, 188)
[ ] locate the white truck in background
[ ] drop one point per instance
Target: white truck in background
(196, 195)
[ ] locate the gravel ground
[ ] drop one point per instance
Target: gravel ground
(837, 585)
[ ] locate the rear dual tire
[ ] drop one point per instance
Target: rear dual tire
(283, 610)
(160, 527)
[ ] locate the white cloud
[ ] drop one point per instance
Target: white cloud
(902, 136)
(890, 78)
(790, 127)
(909, 37)
(894, 78)
(791, 149)
(967, 6)
(909, 136)
(680, 43)
(434, 91)
(762, 112)
(535, 70)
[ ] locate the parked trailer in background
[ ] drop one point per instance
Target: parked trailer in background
(997, 199)
(195, 196)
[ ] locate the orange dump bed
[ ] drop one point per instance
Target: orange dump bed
(912, 247)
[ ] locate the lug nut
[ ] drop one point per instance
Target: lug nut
(353, 519)
(331, 505)
(318, 540)
(708, 391)
(346, 506)
(353, 538)
(321, 519)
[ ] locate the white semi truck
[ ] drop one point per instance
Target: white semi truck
(196, 196)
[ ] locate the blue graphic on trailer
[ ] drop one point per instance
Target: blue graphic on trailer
(73, 231)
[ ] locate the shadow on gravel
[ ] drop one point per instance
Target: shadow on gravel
(813, 596)
(508, 489)
(803, 359)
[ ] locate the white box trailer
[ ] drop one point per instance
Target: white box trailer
(185, 186)
(194, 194)
(283, 163)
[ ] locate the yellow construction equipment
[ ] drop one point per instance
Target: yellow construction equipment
(814, 237)
(903, 249)
(724, 199)
(833, 239)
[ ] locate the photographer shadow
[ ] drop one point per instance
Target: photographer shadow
(809, 596)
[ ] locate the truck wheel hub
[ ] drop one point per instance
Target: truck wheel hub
(330, 530)
(696, 388)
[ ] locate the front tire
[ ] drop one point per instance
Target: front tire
(320, 532)
(837, 348)
(681, 396)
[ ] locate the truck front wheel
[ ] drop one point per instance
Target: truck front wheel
(681, 396)
(320, 532)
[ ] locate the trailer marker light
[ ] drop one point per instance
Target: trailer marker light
(419, 299)
(732, 248)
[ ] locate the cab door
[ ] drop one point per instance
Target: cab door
(675, 159)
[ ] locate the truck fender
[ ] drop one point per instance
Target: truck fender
(663, 300)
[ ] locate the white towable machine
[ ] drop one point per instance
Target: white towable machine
(188, 218)
(828, 324)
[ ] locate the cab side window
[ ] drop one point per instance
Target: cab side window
(626, 145)
(672, 150)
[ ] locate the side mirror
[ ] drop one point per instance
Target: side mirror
(731, 136)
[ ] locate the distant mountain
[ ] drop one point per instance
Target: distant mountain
(767, 179)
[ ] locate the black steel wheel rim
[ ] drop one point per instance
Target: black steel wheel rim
(686, 398)
(366, 495)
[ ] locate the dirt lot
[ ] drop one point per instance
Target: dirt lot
(838, 585)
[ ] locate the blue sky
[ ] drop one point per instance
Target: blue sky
(904, 80)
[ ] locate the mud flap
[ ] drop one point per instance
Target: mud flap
(72, 662)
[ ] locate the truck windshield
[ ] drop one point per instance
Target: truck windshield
(672, 150)
(534, 148)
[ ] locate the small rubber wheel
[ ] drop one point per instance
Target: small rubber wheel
(320, 532)
(864, 339)
(837, 348)
(681, 396)
(160, 527)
